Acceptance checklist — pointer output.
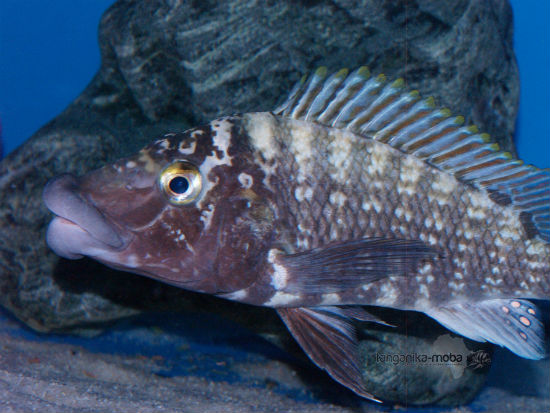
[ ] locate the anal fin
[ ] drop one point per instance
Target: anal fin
(328, 337)
(512, 323)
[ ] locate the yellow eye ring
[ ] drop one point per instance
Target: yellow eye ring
(181, 182)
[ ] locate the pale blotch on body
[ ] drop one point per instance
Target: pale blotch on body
(388, 293)
(245, 180)
(340, 154)
(236, 295)
(442, 188)
(279, 276)
(261, 129)
(206, 216)
(147, 162)
(303, 193)
(330, 299)
(187, 146)
(221, 138)
(281, 299)
(409, 175)
(338, 198)
(302, 142)
(379, 160)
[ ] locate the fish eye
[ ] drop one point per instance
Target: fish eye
(181, 182)
(179, 185)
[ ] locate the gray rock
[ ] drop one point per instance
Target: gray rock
(420, 362)
(168, 65)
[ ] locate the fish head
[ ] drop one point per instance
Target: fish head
(189, 209)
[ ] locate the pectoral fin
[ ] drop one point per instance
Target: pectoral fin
(328, 337)
(350, 264)
(510, 323)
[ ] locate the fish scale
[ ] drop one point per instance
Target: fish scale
(320, 221)
(354, 192)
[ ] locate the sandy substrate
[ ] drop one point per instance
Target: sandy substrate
(154, 364)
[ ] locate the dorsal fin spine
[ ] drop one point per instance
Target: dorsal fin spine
(536, 183)
(487, 157)
(331, 85)
(314, 85)
(342, 94)
(454, 164)
(453, 144)
(385, 116)
(375, 109)
(489, 171)
(289, 102)
(420, 129)
(533, 205)
(518, 182)
(503, 175)
(440, 147)
(534, 192)
(398, 127)
(440, 123)
(471, 146)
(485, 172)
(531, 178)
(367, 92)
(480, 170)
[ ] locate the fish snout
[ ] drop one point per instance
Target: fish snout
(79, 227)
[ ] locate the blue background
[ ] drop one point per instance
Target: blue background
(49, 53)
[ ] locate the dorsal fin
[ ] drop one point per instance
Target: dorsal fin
(372, 107)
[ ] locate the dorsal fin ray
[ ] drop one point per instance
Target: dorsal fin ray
(372, 107)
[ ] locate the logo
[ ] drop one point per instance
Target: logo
(479, 359)
(446, 352)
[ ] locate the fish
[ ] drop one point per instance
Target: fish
(354, 192)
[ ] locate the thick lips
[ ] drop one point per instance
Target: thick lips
(80, 228)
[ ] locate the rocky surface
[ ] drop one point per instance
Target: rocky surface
(168, 65)
(420, 362)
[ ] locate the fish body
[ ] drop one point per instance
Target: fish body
(354, 192)
(335, 185)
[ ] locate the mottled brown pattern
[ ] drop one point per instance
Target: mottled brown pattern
(372, 190)
(199, 246)
(266, 190)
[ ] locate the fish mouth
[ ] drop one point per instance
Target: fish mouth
(79, 228)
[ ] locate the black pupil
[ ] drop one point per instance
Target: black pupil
(179, 185)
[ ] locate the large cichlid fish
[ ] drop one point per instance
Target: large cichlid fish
(354, 192)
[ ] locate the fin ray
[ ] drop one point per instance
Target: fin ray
(345, 265)
(371, 107)
(512, 323)
(328, 337)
